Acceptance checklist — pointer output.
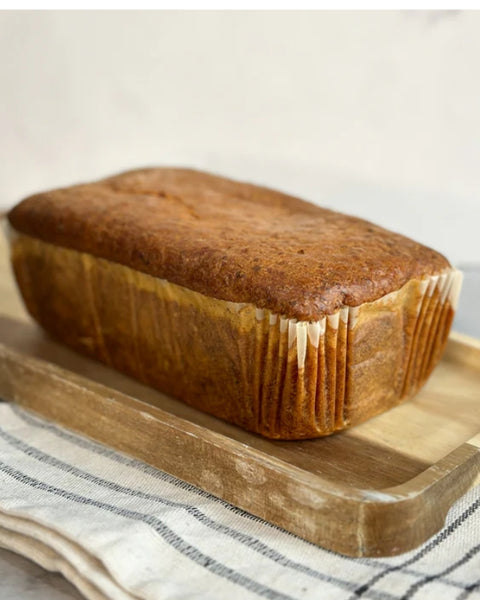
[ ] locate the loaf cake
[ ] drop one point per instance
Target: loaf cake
(287, 319)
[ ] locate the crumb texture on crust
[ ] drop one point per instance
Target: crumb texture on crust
(276, 376)
(229, 240)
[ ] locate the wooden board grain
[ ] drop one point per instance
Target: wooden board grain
(378, 489)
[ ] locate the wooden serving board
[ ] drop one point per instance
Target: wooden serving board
(378, 489)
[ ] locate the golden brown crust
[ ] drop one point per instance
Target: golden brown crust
(228, 240)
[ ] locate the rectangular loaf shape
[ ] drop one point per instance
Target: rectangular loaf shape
(179, 279)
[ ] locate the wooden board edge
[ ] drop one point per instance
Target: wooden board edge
(464, 339)
(463, 349)
(269, 492)
(367, 524)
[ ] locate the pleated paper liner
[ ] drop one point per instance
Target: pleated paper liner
(311, 379)
(276, 376)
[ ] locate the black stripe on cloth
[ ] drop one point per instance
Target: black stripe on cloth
(249, 541)
(134, 463)
(468, 590)
(437, 540)
(167, 534)
(412, 590)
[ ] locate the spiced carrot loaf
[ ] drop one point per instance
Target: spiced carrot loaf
(287, 319)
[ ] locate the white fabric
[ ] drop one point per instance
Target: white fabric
(120, 529)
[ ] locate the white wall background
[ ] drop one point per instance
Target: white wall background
(374, 113)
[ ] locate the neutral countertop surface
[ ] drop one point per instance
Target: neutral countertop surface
(23, 579)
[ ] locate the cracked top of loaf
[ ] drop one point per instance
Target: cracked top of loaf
(230, 240)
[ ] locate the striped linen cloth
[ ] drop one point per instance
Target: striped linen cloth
(118, 528)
